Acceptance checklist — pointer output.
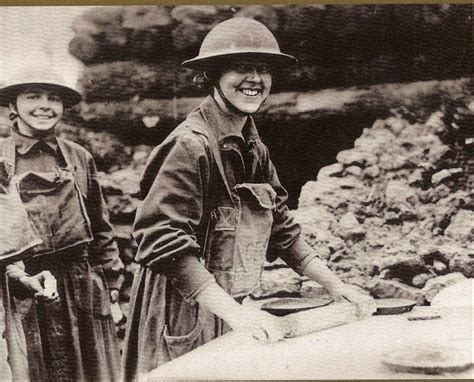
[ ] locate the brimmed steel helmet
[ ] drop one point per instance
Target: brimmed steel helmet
(238, 36)
(44, 78)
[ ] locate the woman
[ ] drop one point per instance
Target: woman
(72, 338)
(213, 211)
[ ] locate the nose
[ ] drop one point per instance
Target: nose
(44, 102)
(253, 75)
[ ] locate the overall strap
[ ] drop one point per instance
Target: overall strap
(217, 159)
(7, 150)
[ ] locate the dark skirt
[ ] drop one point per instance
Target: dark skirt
(72, 339)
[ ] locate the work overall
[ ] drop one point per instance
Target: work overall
(236, 231)
(61, 334)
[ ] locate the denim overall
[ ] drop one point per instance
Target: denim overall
(55, 205)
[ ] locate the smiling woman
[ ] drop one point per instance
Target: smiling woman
(38, 110)
(56, 184)
(214, 211)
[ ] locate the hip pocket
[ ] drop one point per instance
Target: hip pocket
(90, 290)
(180, 345)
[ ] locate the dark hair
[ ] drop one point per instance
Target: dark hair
(206, 80)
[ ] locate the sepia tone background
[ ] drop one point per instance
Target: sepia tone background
(372, 133)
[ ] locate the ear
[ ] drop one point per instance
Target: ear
(12, 108)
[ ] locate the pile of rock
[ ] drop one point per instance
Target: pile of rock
(395, 214)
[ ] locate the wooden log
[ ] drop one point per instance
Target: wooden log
(418, 97)
(122, 80)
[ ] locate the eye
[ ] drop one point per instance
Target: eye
(263, 68)
(55, 98)
(241, 67)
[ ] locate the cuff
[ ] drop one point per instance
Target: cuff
(298, 255)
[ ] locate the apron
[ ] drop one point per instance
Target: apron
(162, 324)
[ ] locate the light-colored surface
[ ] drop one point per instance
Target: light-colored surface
(351, 351)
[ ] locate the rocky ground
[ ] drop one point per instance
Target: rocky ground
(395, 214)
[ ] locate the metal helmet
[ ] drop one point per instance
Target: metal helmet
(44, 78)
(238, 36)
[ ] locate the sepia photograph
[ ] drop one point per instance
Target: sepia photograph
(236, 192)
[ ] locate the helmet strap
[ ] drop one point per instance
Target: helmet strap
(229, 104)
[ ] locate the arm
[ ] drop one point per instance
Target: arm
(41, 285)
(175, 187)
(293, 249)
(103, 250)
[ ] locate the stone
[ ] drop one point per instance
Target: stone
(396, 125)
(443, 175)
(439, 267)
(332, 170)
(279, 281)
(434, 285)
(126, 181)
(394, 289)
(353, 170)
(416, 178)
(400, 196)
(462, 226)
(356, 157)
(420, 280)
(462, 263)
(459, 294)
(349, 227)
(372, 171)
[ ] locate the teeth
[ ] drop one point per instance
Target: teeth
(250, 92)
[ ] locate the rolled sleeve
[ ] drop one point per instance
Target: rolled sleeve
(174, 188)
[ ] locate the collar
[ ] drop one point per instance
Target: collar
(225, 127)
(24, 143)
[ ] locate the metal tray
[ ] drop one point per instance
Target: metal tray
(428, 359)
(393, 306)
(288, 305)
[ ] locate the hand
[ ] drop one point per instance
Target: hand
(43, 285)
(262, 325)
(114, 295)
(365, 304)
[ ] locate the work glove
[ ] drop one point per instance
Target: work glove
(42, 285)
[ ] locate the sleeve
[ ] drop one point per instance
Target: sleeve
(174, 189)
(286, 241)
(14, 272)
(103, 250)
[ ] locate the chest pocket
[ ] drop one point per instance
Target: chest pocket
(238, 237)
(56, 207)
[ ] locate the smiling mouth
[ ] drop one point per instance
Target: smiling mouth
(45, 117)
(250, 92)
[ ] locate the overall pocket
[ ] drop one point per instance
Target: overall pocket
(182, 344)
(90, 289)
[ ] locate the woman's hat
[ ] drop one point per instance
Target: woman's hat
(238, 36)
(42, 78)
